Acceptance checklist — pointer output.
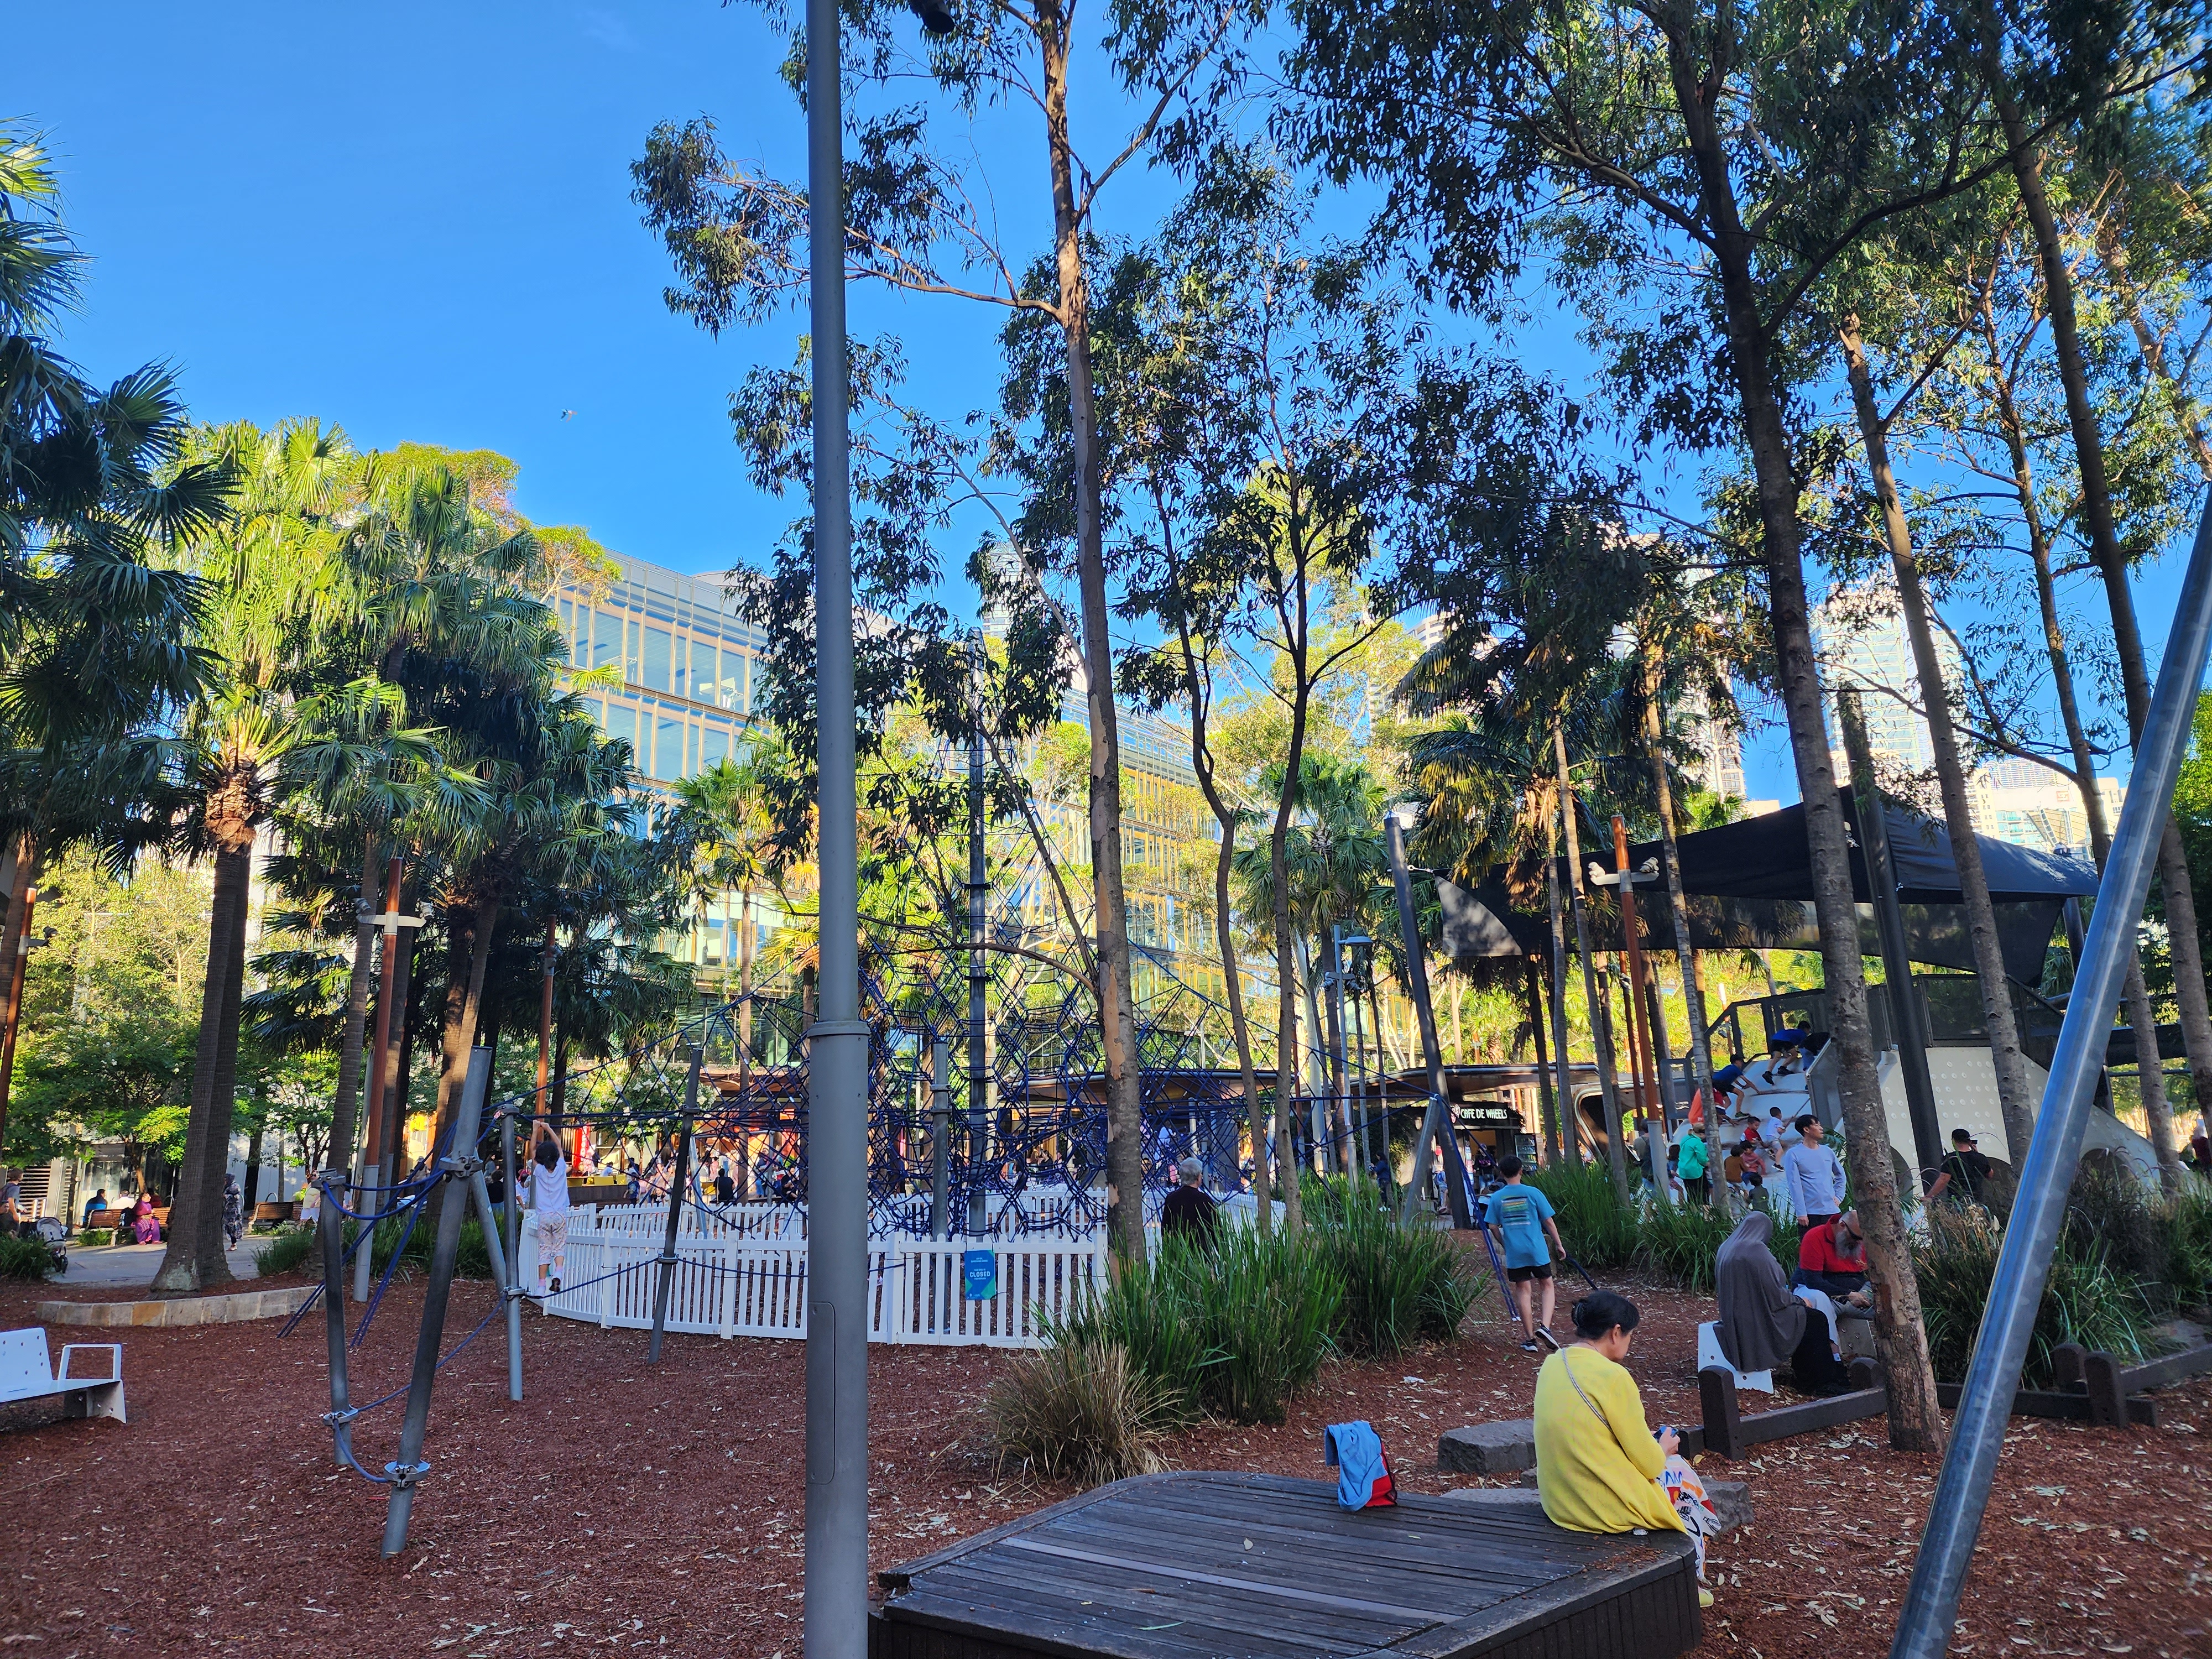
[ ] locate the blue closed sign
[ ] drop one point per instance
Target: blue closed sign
(979, 1269)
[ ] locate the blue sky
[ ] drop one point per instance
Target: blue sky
(414, 221)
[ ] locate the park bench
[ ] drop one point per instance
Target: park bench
(27, 1374)
(287, 1210)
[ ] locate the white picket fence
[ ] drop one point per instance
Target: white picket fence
(729, 1280)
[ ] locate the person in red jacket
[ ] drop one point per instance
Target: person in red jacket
(1831, 1257)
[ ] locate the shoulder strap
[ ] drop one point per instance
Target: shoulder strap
(1567, 1366)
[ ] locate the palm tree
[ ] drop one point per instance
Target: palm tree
(737, 853)
(96, 623)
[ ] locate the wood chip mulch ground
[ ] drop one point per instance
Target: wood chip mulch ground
(623, 1505)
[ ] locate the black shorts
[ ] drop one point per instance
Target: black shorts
(1539, 1270)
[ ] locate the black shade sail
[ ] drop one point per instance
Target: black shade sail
(1749, 885)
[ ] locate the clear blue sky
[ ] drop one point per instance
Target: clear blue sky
(413, 220)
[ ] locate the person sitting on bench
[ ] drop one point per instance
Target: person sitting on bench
(1599, 1467)
(1833, 1258)
(1763, 1324)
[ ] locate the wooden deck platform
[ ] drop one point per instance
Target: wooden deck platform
(1198, 1565)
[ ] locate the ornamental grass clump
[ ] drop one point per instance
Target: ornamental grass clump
(1077, 1411)
(1679, 1242)
(2085, 1299)
(1599, 1231)
(285, 1252)
(1402, 1284)
(1233, 1331)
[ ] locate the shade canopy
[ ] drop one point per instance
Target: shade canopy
(1748, 885)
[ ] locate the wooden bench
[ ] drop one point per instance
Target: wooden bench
(26, 1373)
(265, 1211)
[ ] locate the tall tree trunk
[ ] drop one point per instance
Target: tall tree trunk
(2189, 988)
(1670, 861)
(2112, 566)
(465, 979)
(1556, 996)
(357, 1013)
(2013, 1092)
(28, 857)
(251, 1196)
(1125, 1151)
(1915, 1422)
(195, 1260)
(2142, 1019)
(1616, 1149)
(746, 930)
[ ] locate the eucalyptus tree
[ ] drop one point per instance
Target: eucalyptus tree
(1696, 169)
(2044, 70)
(916, 210)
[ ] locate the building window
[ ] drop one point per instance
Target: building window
(714, 747)
(655, 674)
(668, 748)
(606, 638)
(621, 722)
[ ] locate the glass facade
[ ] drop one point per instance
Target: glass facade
(687, 665)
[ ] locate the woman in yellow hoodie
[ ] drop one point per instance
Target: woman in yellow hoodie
(1599, 1467)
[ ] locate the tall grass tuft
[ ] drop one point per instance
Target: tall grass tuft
(1402, 1284)
(2184, 1230)
(1234, 1331)
(285, 1252)
(471, 1261)
(1077, 1411)
(2086, 1300)
(1599, 1230)
(1679, 1242)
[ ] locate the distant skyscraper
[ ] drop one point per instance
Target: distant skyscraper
(1860, 635)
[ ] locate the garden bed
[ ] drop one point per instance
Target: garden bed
(632, 1506)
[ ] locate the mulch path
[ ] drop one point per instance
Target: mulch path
(625, 1505)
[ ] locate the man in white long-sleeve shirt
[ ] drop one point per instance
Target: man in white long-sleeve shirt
(1814, 1175)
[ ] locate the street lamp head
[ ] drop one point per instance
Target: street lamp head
(1407, 813)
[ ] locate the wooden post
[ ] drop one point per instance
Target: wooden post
(1723, 1427)
(2068, 1367)
(2108, 1403)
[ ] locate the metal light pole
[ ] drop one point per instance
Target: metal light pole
(1978, 1431)
(979, 1058)
(837, 1607)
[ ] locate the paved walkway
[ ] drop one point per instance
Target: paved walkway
(129, 1264)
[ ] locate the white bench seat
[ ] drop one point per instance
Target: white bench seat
(26, 1373)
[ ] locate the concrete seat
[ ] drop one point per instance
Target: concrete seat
(26, 1373)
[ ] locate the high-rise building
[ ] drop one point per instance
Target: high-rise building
(1859, 637)
(690, 670)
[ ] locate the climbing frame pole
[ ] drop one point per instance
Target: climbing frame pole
(1978, 1431)
(458, 1164)
(667, 1259)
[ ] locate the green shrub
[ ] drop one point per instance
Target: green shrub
(1077, 1411)
(1788, 1234)
(1599, 1230)
(2085, 1300)
(2109, 1209)
(25, 1258)
(2184, 1226)
(1679, 1243)
(285, 1252)
(1234, 1331)
(471, 1261)
(93, 1238)
(1401, 1284)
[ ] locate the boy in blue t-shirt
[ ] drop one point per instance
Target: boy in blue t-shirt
(1519, 1217)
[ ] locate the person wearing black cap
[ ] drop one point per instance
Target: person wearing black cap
(1965, 1171)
